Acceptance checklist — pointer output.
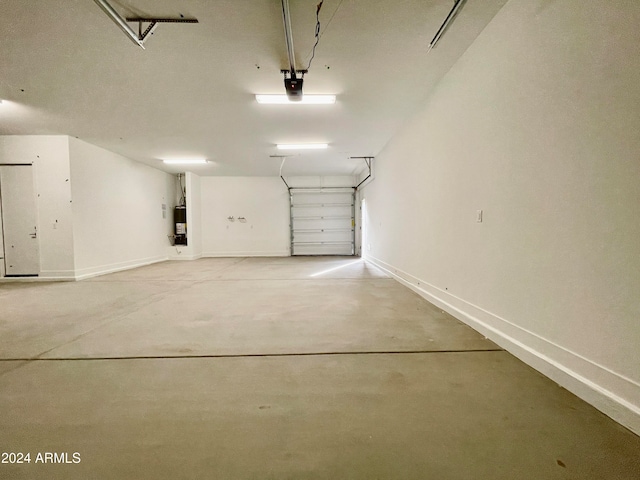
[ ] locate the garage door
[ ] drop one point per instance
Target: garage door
(322, 221)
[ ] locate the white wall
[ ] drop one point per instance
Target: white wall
(194, 214)
(50, 156)
(314, 181)
(2, 269)
(117, 210)
(537, 125)
(263, 201)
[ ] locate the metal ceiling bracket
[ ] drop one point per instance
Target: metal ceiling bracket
(143, 35)
(140, 37)
(368, 161)
(284, 158)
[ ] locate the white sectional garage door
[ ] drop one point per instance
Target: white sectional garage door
(322, 221)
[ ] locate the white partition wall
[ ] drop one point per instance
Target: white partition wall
(118, 219)
(49, 155)
(537, 127)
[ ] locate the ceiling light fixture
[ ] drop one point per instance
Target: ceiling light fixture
(185, 161)
(305, 100)
(302, 146)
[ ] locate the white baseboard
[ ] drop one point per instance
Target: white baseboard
(42, 277)
(247, 254)
(181, 257)
(57, 275)
(84, 273)
(183, 252)
(610, 392)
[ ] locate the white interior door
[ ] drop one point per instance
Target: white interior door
(322, 221)
(17, 194)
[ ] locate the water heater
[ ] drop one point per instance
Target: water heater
(180, 224)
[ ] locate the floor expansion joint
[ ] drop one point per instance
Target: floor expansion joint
(246, 355)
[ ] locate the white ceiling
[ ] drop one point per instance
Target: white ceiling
(66, 68)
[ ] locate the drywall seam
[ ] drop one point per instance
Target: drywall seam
(570, 370)
(116, 267)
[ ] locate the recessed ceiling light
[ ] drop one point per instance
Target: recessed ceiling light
(306, 100)
(302, 146)
(185, 161)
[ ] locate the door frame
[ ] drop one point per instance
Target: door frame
(320, 190)
(3, 259)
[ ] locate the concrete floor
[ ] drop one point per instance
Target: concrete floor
(278, 368)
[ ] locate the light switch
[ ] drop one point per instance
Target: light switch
(479, 216)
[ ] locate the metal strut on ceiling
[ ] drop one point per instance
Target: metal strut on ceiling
(140, 37)
(452, 14)
(293, 85)
(288, 36)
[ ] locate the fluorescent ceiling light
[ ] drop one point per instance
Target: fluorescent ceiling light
(185, 161)
(302, 146)
(306, 100)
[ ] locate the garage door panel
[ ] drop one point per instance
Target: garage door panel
(320, 211)
(322, 222)
(326, 249)
(323, 198)
(323, 236)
